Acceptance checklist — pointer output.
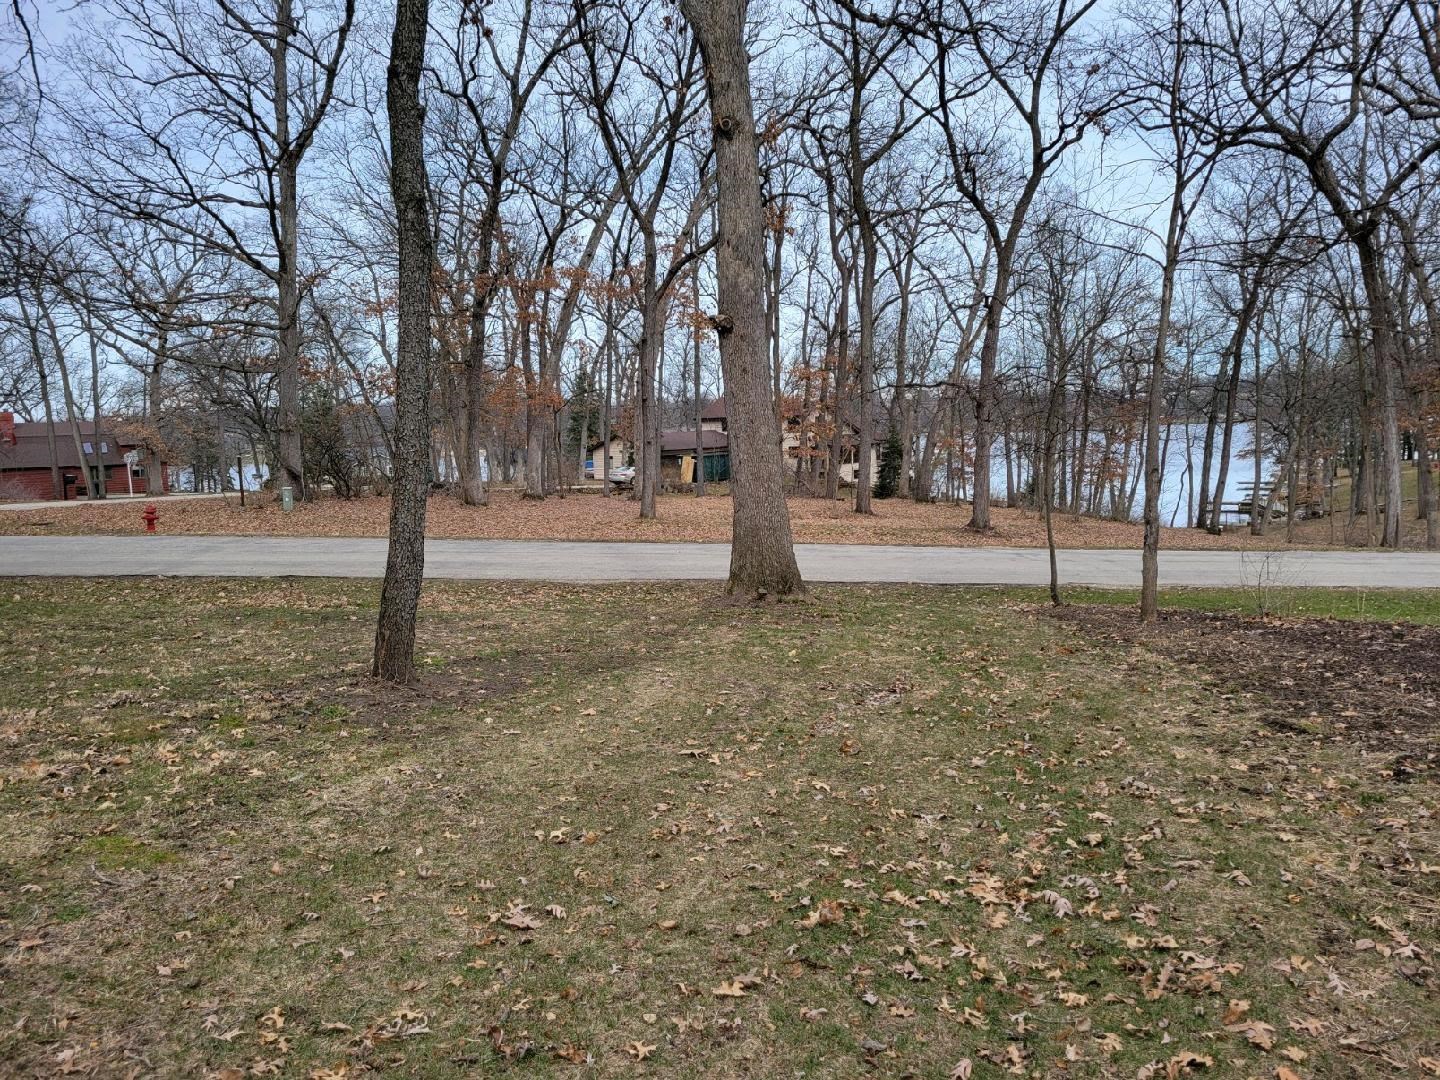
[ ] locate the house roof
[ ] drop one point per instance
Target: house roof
(31, 449)
(679, 441)
(715, 410)
(595, 444)
(682, 442)
(87, 427)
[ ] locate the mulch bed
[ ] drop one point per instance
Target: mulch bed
(1378, 683)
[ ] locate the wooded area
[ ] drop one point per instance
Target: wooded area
(1033, 248)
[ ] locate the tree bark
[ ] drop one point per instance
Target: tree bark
(405, 564)
(762, 554)
(292, 460)
(1383, 361)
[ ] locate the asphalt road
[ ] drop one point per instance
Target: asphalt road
(237, 556)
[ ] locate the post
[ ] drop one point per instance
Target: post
(240, 476)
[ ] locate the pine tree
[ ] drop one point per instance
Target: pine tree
(887, 483)
(584, 410)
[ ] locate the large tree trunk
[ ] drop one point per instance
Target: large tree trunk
(405, 565)
(762, 554)
(1383, 360)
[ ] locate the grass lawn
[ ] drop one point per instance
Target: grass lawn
(1420, 606)
(628, 831)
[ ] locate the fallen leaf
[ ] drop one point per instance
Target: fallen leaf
(639, 1050)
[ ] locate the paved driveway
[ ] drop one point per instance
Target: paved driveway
(236, 556)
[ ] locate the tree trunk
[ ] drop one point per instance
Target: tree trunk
(1257, 521)
(90, 469)
(609, 348)
(866, 438)
(699, 432)
(537, 420)
(837, 398)
(154, 479)
(762, 554)
(985, 394)
(1236, 352)
(647, 473)
(405, 565)
(292, 461)
(1383, 360)
(1202, 503)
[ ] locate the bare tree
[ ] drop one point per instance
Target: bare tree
(1016, 87)
(198, 119)
(667, 73)
(405, 564)
(762, 553)
(1315, 75)
(1169, 87)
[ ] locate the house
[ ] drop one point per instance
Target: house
(25, 464)
(677, 455)
(713, 417)
(599, 459)
(798, 432)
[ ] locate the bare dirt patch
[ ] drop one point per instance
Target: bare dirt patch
(1378, 683)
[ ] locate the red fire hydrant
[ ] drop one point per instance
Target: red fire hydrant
(148, 515)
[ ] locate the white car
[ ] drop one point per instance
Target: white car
(624, 476)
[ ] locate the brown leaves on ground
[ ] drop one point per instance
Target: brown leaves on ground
(679, 518)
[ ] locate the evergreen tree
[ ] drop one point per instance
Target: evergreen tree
(887, 483)
(585, 405)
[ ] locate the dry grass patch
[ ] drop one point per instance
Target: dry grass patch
(631, 831)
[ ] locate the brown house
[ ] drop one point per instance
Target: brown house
(25, 462)
(678, 447)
